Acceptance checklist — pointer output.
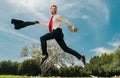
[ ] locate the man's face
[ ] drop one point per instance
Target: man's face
(53, 10)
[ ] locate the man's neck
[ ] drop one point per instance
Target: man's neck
(54, 13)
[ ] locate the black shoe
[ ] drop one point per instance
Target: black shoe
(83, 60)
(44, 58)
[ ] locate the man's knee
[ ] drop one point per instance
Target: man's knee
(42, 38)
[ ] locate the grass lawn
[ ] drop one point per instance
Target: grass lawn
(12, 76)
(16, 76)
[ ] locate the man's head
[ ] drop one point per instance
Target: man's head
(53, 9)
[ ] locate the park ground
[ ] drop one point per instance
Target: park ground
(17, 76)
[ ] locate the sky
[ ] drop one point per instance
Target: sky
(98, 23)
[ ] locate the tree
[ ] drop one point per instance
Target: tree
(99, 64)
(56, 56)
(73, 71)
(29, 67)
(115, 65)
(105, 64)
(8, 67)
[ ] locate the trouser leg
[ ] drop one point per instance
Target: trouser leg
(52, 35)
(63, 45)
(58, 36)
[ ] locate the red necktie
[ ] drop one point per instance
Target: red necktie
(50, 24)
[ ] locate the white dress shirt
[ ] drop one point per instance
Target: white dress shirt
(57, 21)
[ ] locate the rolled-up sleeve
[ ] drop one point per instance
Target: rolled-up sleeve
(43, 24)
(62, 19)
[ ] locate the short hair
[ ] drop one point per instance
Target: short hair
(54, 6)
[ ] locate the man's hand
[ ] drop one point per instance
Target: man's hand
(74, 29)
(37, 22)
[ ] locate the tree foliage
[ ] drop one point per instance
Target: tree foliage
(56, 56)
(57, 64)
(105, 64)
(29, 67)
(8, 67)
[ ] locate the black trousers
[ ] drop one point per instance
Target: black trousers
(58, 35)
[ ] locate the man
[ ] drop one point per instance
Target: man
(55, 32)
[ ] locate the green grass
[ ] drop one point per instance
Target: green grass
(15, 76)
(12, 76)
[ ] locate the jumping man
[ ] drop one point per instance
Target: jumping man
(55, 32)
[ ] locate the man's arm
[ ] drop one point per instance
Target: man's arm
(42, 24)
(70, 25)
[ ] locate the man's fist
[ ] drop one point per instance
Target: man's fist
(37, 22)
(74, 29)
